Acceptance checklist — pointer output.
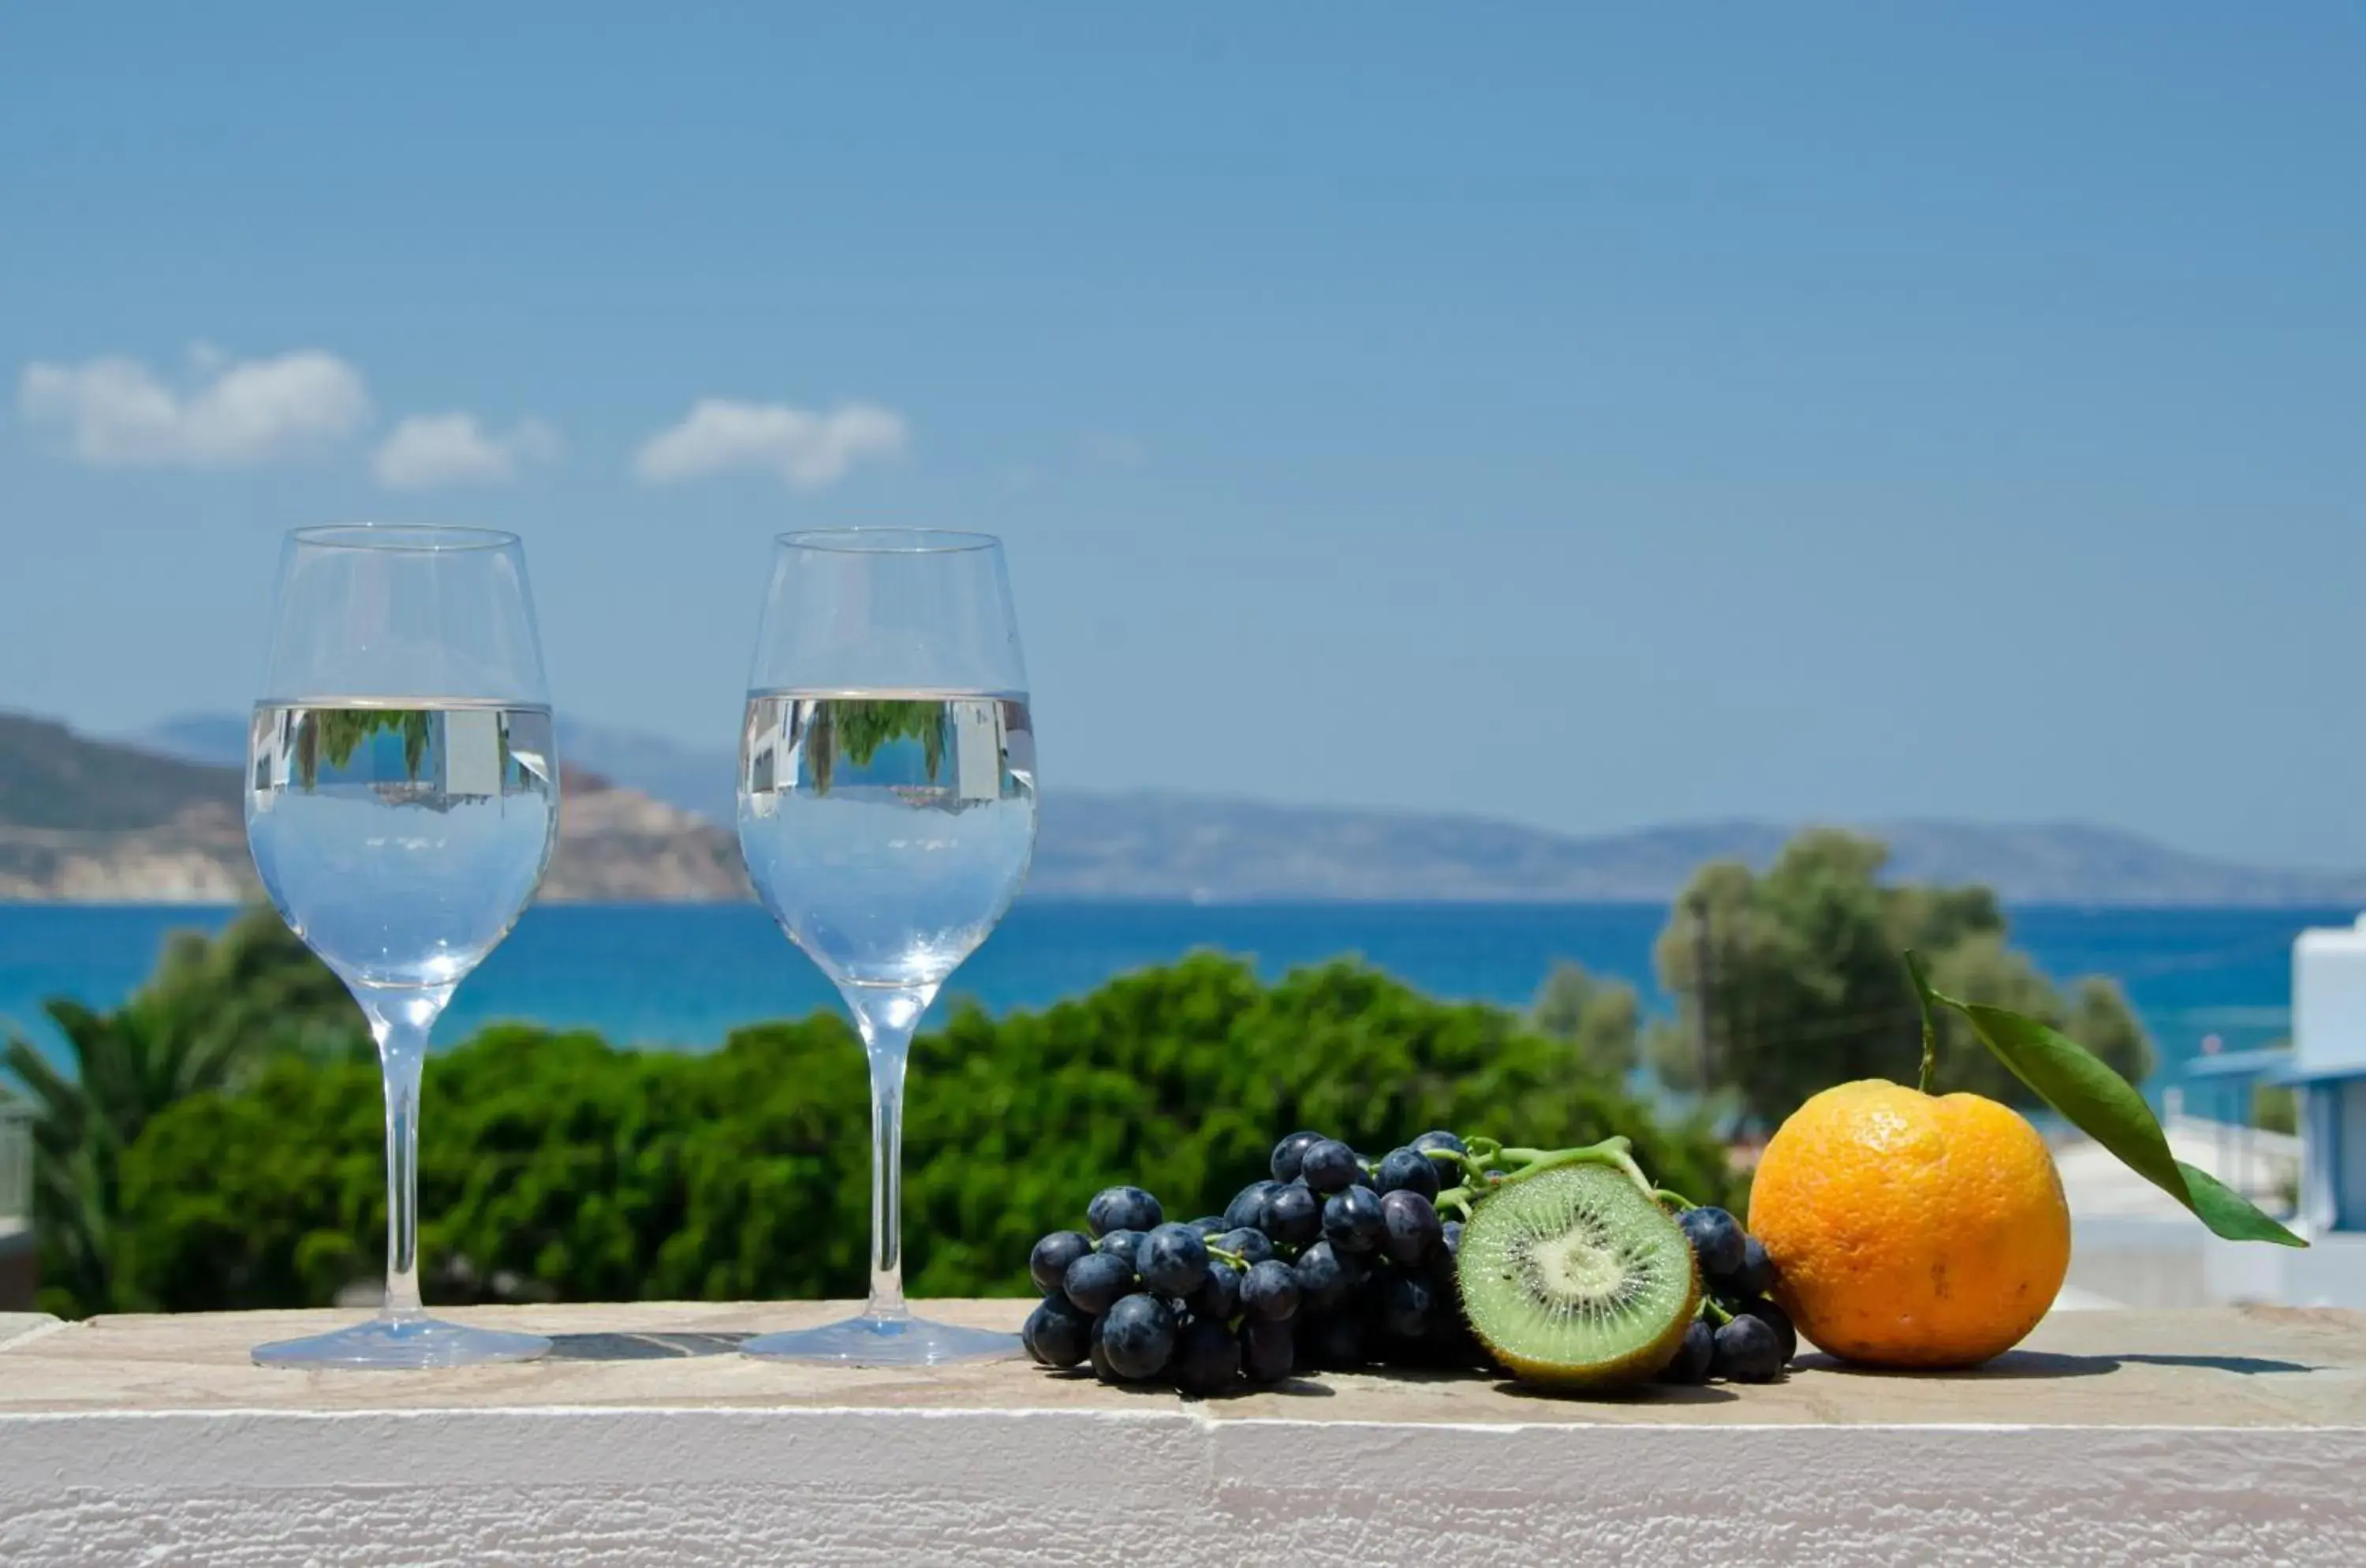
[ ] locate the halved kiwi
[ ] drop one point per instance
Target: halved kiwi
(1573, 1278)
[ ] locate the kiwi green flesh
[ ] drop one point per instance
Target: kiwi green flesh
(1573, 1278)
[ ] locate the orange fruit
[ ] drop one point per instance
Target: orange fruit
(1911, 1230)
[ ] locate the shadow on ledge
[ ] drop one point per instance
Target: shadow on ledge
(2042, 1364)
(2012, 1364)
(1292, 1387)
(1639, 1394)
(640, 1346)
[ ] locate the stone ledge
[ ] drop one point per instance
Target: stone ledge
(2153, 1438)
(15, 1326)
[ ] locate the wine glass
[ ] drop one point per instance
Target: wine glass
(401, 800)
(887, 815)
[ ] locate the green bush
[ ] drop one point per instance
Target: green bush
(217, 1010)
(555, 1167)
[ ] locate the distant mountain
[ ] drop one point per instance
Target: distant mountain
(1183, 846)
(218, 739)
(83, 820)
(55, 780)
(91, 820)
(691, 778)
(1151, 845)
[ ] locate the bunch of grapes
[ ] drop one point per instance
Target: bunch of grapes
(1739, 1335)
(1336, 1262)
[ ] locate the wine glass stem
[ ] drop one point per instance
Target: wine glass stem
(402, 1062)
(887, 1061)
(400, 1022)
(887, 1015)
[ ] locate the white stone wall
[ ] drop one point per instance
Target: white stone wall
(594, 1488)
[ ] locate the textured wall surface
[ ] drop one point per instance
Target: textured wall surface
(1051, 1488)
(151, 1442)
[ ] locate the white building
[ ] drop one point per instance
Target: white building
(2328, 1065)
(2134, 1246)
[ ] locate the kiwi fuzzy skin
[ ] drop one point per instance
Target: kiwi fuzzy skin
(1581, 1377)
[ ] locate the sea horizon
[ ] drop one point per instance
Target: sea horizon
(684, 975)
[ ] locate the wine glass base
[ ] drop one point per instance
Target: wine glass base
(396, 1344)
(884, 1342)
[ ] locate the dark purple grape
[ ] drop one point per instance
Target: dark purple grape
(1098, 1352)
(1747, 1350)
(1139, 1333)
(1208, 1227)
(1270, 1291)
(1406, 1170)
(1716, 1241)
(1351, 1220)
(1172, 1260)
(1056, 1333)
(1440, 1139)
(1410, 1228)
(1096, 1281)
(1207, 1358)
(1330, 1167)
(1248, 1244)
(1406, 1302)
(1756, 1275)
(1219, 1295)
(1776, 1318)
(1325, 1275)
(1047, 1264)
(1287, 1153)
(1247, 1206)
(1120, 1244)
(1337, 1342)
(1121, 1209)
(1294, 1216)
(1268, 1349)
(1451, 1233)
(1693, 1357)
(1451, 1343)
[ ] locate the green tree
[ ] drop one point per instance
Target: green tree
(213, 1012)
(859, 726)
(1790, 981)
(335, 735)
(555, 1165)
(1599, 1020)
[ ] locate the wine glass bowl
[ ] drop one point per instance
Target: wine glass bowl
(419, 907)
(401, 804)
(887, 817)
(888, 831)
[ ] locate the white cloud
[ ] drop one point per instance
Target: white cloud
(432, 450)
(808, 450)
(118, 413)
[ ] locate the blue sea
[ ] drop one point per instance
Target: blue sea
(684, 975)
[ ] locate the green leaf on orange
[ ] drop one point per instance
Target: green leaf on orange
(2107, 1108)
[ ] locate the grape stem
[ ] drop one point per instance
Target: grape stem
(1714, 1312)
(1234, 1259)
(1481, 1173)
(1677, 1199)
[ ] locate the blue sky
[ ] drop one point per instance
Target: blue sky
(1585, 415)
